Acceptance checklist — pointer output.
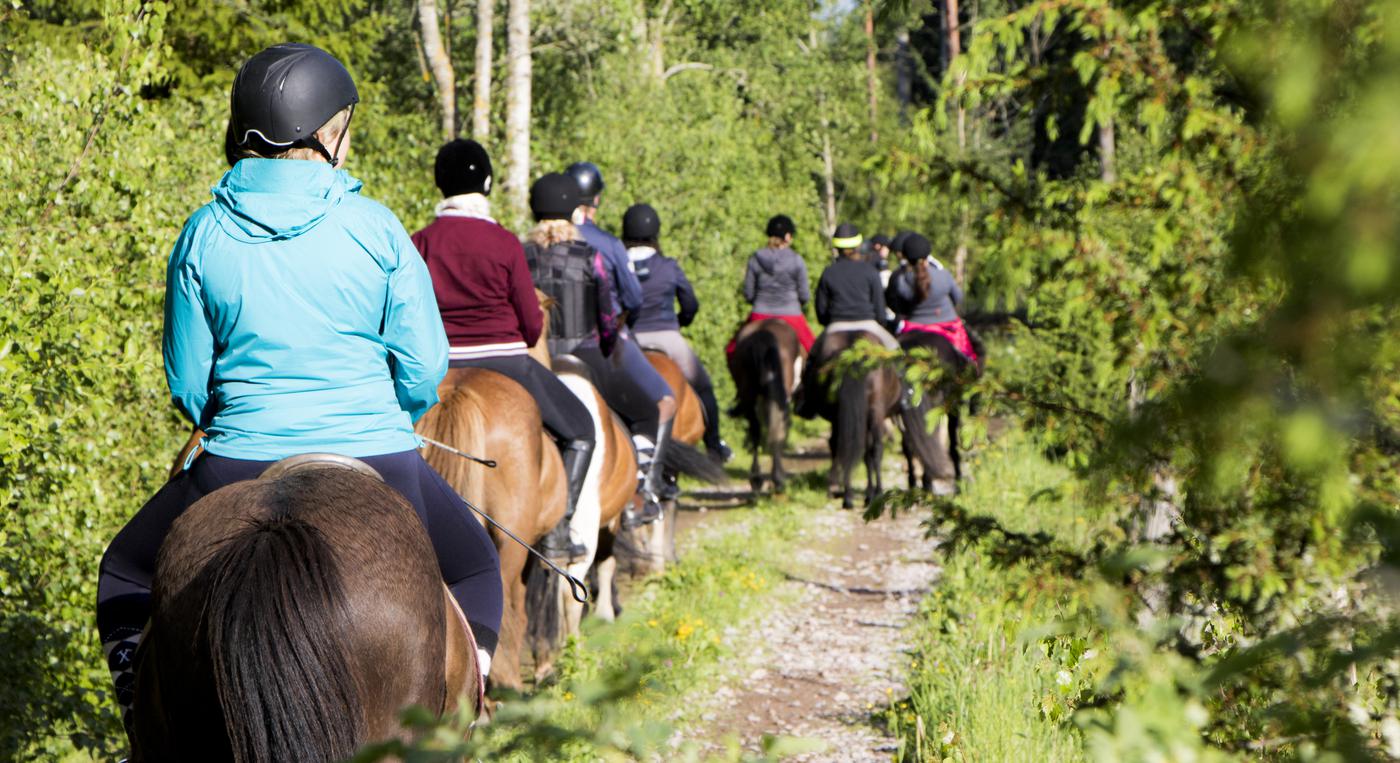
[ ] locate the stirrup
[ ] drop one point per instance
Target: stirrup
(649, 513)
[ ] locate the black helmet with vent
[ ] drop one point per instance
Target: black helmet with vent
(284, 94)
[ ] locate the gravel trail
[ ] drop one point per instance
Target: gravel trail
(833, 648)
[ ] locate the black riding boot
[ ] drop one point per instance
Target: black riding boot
(558, 544)
(709, 406)
(654, 482)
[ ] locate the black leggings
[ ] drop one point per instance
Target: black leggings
(465, 554)
(564, 415)
(620, 388)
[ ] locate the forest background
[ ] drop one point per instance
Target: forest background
(1177, 219)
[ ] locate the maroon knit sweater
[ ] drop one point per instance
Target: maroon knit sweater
(482, 283)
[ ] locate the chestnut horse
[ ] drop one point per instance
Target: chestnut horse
(488, 414)
(277, 604)
(525, 492)
(766, 364)
(857, 404)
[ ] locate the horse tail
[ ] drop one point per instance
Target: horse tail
(916, 430)
(275, 615)
(684, 458)
(544, 602)
(764, 358)
(852, 420)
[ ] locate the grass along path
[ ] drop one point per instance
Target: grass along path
(985, 683)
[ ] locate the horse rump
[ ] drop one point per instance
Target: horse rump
(757, 368)
(264, 618)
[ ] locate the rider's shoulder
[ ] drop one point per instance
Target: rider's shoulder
(364, 208)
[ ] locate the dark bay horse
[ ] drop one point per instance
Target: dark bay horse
(488, 414)
(856, 404)
(277, 605)
(766, 365)
(932, 448)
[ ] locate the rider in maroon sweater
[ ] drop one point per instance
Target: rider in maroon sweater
(491, 314)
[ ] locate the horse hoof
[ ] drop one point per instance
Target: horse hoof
(944, 488)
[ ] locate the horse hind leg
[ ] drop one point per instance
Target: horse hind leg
(874, 455)
(777, 437)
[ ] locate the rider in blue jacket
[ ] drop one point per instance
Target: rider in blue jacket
(299, 318)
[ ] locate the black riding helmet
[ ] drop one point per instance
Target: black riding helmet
(462, 166)
(640, 223)
(284, 94)
(780, 226)
(846, 236)
(589, 179)
(554, 197)
(915, 247)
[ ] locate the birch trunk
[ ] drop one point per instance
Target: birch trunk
(440, 65)
(828, 178)
(518, 102)
(481, 97)
(1108, 170)
(953, 43)
(870, 78)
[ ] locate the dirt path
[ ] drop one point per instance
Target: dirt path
(833, 647)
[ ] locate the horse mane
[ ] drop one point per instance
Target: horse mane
(303, 681)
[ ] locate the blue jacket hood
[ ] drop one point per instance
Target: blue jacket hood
(276, 199)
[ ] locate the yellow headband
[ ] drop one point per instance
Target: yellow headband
(847, 243)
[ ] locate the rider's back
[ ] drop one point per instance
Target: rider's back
(567, 271)
(776, 282)
(301, 292)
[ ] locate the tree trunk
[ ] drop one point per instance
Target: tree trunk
(1108, 171)
(953, 44)
(828, 177)
(903, 73)
(518, 102)
(870, 79)
(440, 65)
(481, 98)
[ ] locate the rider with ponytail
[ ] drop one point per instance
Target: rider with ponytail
(298, 319)
(926, 297)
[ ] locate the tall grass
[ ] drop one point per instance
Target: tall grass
(985, 682)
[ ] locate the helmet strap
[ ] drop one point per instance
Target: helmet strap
(315, 143)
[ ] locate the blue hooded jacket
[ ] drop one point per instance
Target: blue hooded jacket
(299, 317)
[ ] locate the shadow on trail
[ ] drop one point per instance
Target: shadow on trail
(808, 468)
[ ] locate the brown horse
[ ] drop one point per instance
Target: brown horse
(490, 415)
(856, 404)
(277, 604)
(766, 365)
